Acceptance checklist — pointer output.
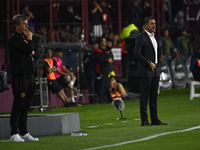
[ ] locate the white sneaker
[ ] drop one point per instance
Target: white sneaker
(16, 138)
(28, 137)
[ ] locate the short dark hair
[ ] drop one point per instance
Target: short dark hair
(58, 49)
(16, 20)
(100, 39)
(146, 20)
(46, 49)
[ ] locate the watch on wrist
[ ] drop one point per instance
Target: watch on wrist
(149, 62)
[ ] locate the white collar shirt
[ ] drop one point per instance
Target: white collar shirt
(155, 46)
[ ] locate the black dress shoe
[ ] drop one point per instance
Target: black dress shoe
(145, 123)
(158, 123)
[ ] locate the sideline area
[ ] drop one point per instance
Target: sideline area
(143, 139)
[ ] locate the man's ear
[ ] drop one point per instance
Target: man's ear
(16, 27)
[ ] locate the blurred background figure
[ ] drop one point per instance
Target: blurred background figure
(195, 64)
(97, 19)
(107, 22)
(126, 31)
(168, 13)
(90, 69)
(167, 47)
(29, 16)
(184, 46)
(67, 35)
(74, 20)
(135, 10)
(146, 8)
(102, 70)
(116, 86)
(56, 26)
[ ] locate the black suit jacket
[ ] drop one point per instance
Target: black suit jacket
(144, 52)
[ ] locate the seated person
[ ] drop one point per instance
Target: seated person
(53, 85)
(67, 36)
(62, 72)
(195, 64)
(115, 86)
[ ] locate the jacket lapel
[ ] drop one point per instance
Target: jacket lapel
(148, 39)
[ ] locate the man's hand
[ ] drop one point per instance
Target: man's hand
(162, 57)
(110, 60)
(33, 53)
(152, 66)
(28, 34)
(178, 56)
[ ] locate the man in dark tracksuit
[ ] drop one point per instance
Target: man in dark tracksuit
(90, 69)
(22, 54)
(110, 68)
(102, 69)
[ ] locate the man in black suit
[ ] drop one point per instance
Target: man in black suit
(147, 52)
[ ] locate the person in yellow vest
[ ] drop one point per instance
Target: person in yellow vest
(48, 71)
(126, 32)
(195, 64)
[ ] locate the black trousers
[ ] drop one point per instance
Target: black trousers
(101, 86)
(91, 86)
(149, 91)
(125, 64)
(91, 83)
(23, 91)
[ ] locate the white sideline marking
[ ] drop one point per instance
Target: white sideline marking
(5, 141)
(136, 119)
(93, 126)
(125, 121)
(143, 139)
(107, 123)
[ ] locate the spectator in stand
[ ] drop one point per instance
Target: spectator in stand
(107, 23)
(184, 46)
(146, 8)
(168, 13)
(124, 52)
(195, 64)
(74, 20)
(102, 69)
(114, 38)
(90, 69)
(66, 36)
(43, 31)
(179, 17)
(62, 72)
(29, 16)
(135, 11)
(97, 19)
(56, 26)
(48, 71)
(167, 47)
